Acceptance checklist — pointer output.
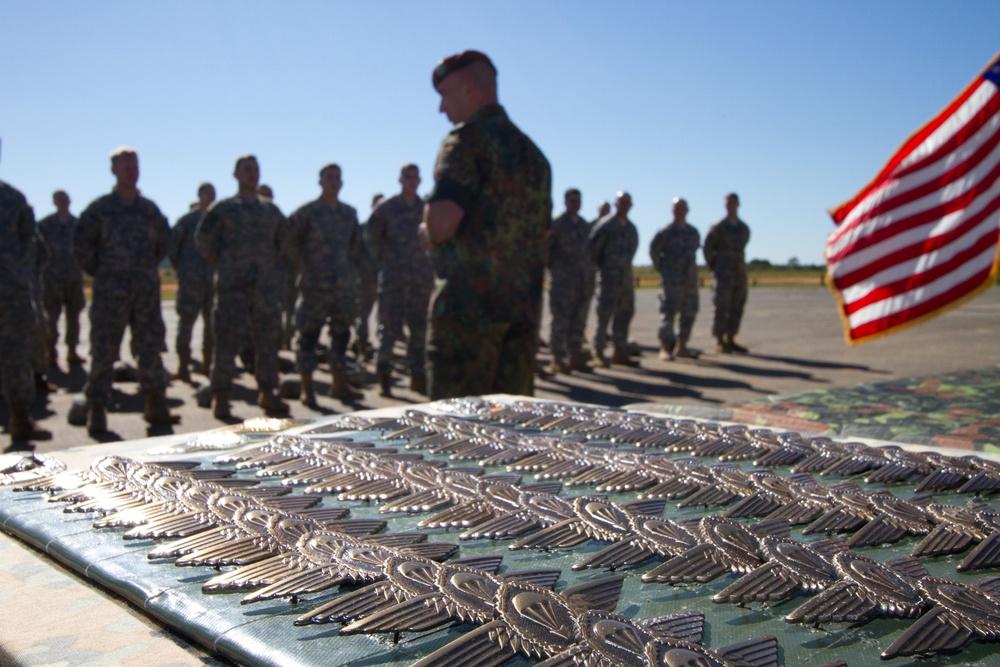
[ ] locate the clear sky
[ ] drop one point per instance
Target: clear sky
(794, 104)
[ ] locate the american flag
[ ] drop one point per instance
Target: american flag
(922, 237)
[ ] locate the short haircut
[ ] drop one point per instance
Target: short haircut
(120, 151)
(408, 166)
(204, 186)
(60, 192)
(240, 160)
(733, 195)
(571, 191)
(377, 197)
(332, 165)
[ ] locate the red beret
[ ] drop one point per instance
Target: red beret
(458, 61)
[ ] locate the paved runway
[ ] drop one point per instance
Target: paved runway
(794, 335)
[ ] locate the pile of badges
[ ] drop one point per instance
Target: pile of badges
(734, 515)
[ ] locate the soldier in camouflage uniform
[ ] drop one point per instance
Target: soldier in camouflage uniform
(570, 269)
(674, 250)
(325, 246)
(486, 221)
(63, 279)
(613, 243)
(725, 248)
(120, 240)
(241, 237)
(194, 285)
(405, 280)
(17, 257)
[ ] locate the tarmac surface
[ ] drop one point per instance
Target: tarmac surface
(794, 335)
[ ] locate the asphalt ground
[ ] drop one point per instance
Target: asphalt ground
(794, 335)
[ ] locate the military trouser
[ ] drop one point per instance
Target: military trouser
(63, 295)
(16, 374)
(729, 297)
(252, 310)
(569, 302)
(398, 305)
(194, 297)
(367, 295)
(288, 294)
(125, 300)
(315, 308)
(615, 305)
(39, 334)
(679, 301)
(471, 356)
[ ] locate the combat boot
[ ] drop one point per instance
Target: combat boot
(666, 352)
(43, 386)
(220, 405)
(340, 388)
(557, 366)
(267, 400)
(156, 411)
(578, 363)
(723, 345)
(308, 393)
(72, 358)
(621, 357)
(418, 383)
(682, 351)
(97, 418)
(22, 426)
(384, 382)
(184, 366)
(600, 359)
(736, 347)
(206, 361)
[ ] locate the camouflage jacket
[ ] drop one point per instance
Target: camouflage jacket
(183, 252)
(391, 237)
(58, 235)
(118, 236)
(725, 246)
(569, 247)
(325, 245)
(241, 239)
(613, 244)
(674, 252)
(494, 265)
(17, 240)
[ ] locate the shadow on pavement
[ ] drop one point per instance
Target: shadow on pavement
(818, 363)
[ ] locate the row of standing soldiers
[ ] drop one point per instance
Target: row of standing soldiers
(233, 257)
(580, 251)
(229, 260)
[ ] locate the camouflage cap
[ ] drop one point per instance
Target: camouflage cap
(456, 62)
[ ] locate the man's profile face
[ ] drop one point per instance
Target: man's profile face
(453, 103)
(125, 167)
(248, 174)
(573, 203)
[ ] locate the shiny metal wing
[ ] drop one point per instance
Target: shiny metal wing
(937, 631)
(842, 602)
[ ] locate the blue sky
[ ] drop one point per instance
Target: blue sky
(795, 105)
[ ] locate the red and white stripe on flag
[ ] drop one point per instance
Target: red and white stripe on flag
(923, 235)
